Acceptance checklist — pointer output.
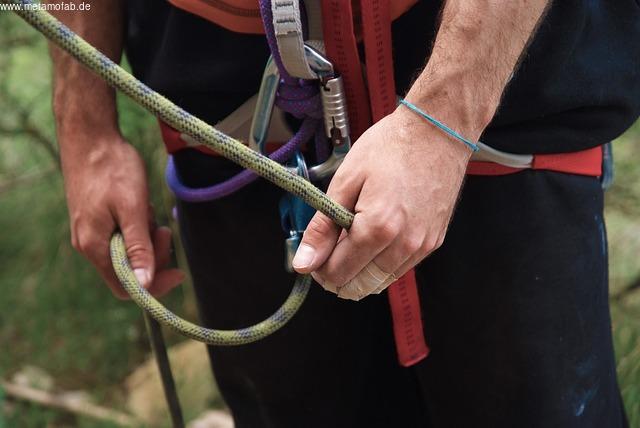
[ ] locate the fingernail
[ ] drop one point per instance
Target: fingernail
(143, 277)
(304, 256)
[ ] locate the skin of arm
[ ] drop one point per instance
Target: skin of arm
(105, 182)
(403, 176)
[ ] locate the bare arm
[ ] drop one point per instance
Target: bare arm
(105, 180)
(84, 105)
(404, 193)
(475, 53)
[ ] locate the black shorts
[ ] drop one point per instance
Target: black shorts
(515, 308)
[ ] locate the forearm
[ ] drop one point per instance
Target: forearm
(475, 52)
(84, 105)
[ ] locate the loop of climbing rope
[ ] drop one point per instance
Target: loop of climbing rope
(209, 336)
(204, 134)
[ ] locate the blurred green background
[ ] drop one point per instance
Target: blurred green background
(57, 321)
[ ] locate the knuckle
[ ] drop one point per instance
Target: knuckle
(385, 230)
(77, 232)
(75, 243)
(334, 278)
(411, 245)
(137, 250)
(362, 238)
(339, 177)
(342, 180)
(430, 245)
(128, 204)
(86, 245)
(83, 247)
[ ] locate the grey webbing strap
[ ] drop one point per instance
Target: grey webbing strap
(489, 154)
(287, 23)
(314, 19)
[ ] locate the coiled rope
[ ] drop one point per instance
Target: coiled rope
(204, 134)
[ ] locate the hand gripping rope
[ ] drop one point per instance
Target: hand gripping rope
(208, 136)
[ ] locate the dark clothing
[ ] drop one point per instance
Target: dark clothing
(515, 310)
(578, 86)
(515, 302)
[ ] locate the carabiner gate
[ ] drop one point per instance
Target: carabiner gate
(334, 106)
(295, 213)
(264, 107)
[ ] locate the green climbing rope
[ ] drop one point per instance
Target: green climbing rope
(205, 134)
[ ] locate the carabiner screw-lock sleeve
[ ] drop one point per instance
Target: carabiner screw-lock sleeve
(334, 105)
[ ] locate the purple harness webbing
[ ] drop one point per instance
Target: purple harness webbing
(295, 96)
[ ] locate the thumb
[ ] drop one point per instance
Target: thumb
(318, 241)
(137, 240)
(321, 235)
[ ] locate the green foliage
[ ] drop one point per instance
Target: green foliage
(623, 223)
(56, 314)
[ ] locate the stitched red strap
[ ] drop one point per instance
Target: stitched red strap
(585, 162)
(342, 50)
(404, 300)
(376, 30)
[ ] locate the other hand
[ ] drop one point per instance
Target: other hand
(106, 189)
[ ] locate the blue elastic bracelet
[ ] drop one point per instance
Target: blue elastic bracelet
(440, 125)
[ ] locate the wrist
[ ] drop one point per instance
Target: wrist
(83, 151)
(456, 101)
(86, 124)
(84, 110)
(427, 139)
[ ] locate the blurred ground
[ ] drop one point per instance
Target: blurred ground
(57, 319)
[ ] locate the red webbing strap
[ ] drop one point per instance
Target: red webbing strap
(404, 300)
(376, 31)
(174, 142)
(342, 49)
(411, 346)
(585, 162)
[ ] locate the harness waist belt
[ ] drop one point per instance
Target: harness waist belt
(174, 141)
(243, 16)
(585, 162)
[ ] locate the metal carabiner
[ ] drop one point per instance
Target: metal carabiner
(297, 212)
(334, 107)
(264, 107)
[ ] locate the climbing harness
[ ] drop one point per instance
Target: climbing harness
(204, 134)
(338, 17)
